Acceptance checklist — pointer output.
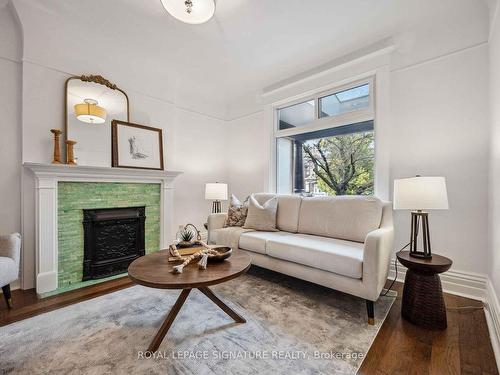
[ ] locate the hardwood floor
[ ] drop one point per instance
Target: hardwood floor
(26, 304)
(463, 348)
(400, 347)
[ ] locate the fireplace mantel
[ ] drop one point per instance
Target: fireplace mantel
(81, 173)
(47, 177)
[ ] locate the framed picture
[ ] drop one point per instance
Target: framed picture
(136, 146)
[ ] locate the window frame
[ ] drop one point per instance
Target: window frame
(347, 118)
(318, 123)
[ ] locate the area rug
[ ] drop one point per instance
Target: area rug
(293, 327)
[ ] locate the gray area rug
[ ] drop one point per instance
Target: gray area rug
(293, 327)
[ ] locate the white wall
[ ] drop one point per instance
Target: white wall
(435, 122)
(439, 128)
(494, 248)
(249, 155)
(10, 121)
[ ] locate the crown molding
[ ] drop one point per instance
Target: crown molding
(382, 47)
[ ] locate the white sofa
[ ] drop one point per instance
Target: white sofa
(344, 243)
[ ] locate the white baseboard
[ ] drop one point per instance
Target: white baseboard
(469, 285)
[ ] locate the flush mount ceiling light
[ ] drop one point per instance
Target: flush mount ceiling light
(190, 11)
(90, 112)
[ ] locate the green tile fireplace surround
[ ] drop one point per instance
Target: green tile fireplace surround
(73, 197)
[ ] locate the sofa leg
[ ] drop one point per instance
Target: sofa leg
(7, 295)
(371, 312)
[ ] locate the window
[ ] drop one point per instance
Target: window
(330, 151)
(345, 101)
(297, 115)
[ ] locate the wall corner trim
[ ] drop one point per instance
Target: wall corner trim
(492, 311)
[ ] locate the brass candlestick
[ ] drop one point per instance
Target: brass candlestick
(57, 150)
(70, 157)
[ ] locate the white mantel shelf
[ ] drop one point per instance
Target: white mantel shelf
(65, 171)
(47, 178)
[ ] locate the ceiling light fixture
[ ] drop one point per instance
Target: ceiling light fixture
(90, 112)
(190, 11)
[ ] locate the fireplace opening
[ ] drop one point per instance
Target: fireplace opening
(113, 238)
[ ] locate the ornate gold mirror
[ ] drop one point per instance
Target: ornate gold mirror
(92, 102)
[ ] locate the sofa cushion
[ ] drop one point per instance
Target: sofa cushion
(263, 197)
(262, 216)
(287, 217)
(329, 254)
(256, 241)
(236, 212)
(344, 217)
(229, 236)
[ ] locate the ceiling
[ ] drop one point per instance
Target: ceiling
(220, 67)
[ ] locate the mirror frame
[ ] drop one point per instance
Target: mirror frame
(90, 78)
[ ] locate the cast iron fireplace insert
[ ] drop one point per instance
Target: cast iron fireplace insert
(113, 238)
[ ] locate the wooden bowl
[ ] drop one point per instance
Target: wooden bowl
(224, 253)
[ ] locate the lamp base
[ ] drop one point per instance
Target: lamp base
(216, 207)
(420, 218)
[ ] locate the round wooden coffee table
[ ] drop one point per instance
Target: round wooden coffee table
(423, 302)
(155, 271)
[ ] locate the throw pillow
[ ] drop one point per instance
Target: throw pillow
(236, 213)
(262, 216)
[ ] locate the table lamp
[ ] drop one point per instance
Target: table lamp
(418, 194)
(216, 192)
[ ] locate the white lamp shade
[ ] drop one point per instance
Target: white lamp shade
(215, 191)
(200, 11)
(420, 193)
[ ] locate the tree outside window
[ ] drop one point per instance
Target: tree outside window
(342, 165)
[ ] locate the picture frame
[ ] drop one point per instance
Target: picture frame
(136, 146)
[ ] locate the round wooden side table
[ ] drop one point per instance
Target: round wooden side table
(423, 302)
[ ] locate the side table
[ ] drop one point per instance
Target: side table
(423, 302)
